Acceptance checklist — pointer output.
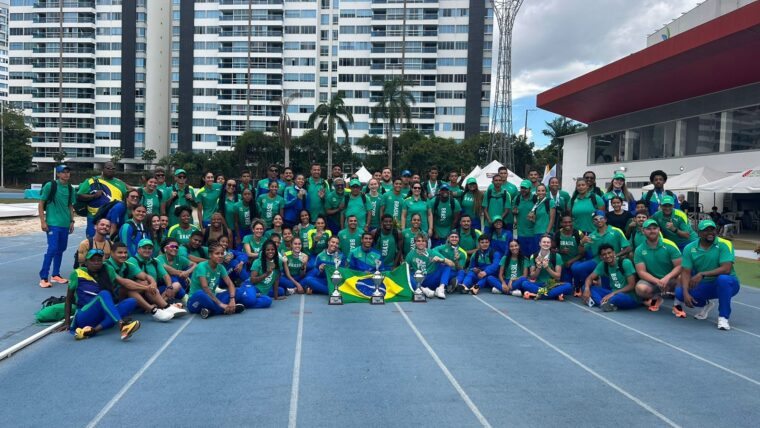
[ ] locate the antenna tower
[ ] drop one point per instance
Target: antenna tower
(500, 147)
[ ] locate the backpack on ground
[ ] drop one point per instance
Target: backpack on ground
(53, 309)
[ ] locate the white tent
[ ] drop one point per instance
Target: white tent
(743, 182)
(485, 177)
(474, 173)
(363, 174)
(691, 180)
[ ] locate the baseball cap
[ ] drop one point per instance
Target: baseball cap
(471, 180)
(444, 187)
(94, 252)
(667, 200)
(61, 168)
(599, 213)
(497, 218)
(144, 243)
(526, 184)
(179, 171)
(406, 173)
(355, 182)
(704, 224)
(650, 222)
(619, 175)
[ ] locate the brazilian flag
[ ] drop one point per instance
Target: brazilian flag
(357, 287)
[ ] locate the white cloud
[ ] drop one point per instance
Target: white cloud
(558, 40)
(521, 132)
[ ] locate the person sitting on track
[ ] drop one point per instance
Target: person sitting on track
(100, 241)
(366, 258)
(483, 267)
(410, 233)
(545, 274)
(456, 254)
(170, 290)
(266, 272)
(603, 234)
(131, 282)
(179, 267)
(658, 264)
(316, 278)
(568, 242)
(513, 268)
(621, 277)
(707, 273)
(91, 293)
(468, 237)
(294, 264)
(500, 236)
(435, 267)
(194, 249)
(183, 230)
(388, 241)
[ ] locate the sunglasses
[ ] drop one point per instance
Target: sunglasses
(274, 170)
(181, 176)
(159, 175)
(230, 185)
(416, 188)
(589, 177)
(133, 196)
(173, 247)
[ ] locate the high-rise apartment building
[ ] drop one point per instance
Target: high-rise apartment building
(193, 75)
(3, 51)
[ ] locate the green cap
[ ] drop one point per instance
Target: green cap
(94, 252)
(667, 200)
(619, 175)
(526, 184)
(354, 182)
(179, 171)
(471, 180)
(650, 222)
(704, 224)
(144, 243)
(497, 218)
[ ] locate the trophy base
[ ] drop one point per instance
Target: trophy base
(377, 300)
(419, 298)
(336, 300)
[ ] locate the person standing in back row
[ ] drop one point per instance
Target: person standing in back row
(56, 210)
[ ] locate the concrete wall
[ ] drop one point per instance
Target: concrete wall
(158, 77)
(707, 11)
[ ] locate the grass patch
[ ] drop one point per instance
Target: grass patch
(17, 201)
(748, 272)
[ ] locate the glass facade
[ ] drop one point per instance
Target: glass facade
(723, 132)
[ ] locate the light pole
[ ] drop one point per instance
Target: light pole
(2, 145)
(525, 130)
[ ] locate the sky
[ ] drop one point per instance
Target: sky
(558, 40)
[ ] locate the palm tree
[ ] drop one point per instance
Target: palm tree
(331, 113)
(393, 107)
(556, 129)
(284, 127)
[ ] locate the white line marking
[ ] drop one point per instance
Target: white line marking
(715, 321)
(293, 415)
(22, 258)
(744, 304)
(660, 341)
(482, 419)
(94, 422)
(606, 381)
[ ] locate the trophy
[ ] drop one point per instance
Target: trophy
(336, 298)
(378, 297)
(419, 296)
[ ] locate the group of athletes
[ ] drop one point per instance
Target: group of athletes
(258, 241)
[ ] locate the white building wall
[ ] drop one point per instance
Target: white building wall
(704, 12)
(158, 77)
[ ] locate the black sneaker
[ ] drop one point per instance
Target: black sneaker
(239, 307)
(608, 307)
(205, 313)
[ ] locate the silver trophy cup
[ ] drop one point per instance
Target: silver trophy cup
(337, 279)
(419, 296)
(378, 297)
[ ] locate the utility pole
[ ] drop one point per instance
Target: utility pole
(2, 144)
(525, 129)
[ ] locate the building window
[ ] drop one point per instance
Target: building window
(701, 135)
(744, 129)
(607, 148)
(652, 142)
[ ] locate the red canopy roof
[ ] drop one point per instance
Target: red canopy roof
(721, 54)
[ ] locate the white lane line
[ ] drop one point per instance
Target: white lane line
(107, 408)
(293, 415)
(677, 348)
(606, 381)
(22, 258)
(744, 304)
(482, 419)
(715, 321)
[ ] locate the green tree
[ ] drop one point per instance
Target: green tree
(149, 156)
(330, 114)
(117, 155)
(522, 155)
(256, 150)
(556, 129)
(17, 156)
(393, 107)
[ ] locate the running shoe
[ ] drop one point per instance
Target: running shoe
(516, 293)
(723, 324)
(475, 290)
(561, 297)
(528, 295)
(128, 328)
(309, 291)
(83, 333)
(239, 307)
(44, 283)
(678, 311)
(290, 291)
(162, 315)
(205, 313)
(175, 311)
(608, 307)
(577, 292)
(654, 304)
(705, 311)
(440, 292)
(428, 292)
(495, 290)
(452, 287)
(58, 279)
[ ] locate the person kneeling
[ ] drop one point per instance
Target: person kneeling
(545, 274)
(658, 264)
(621, 276)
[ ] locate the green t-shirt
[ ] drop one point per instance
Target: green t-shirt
(84, 274)
(524, 206)
(213, 276)
(408, 236)
(209, 200)
(388, 247)
(152, 201)
(180, 262)
(468, 205)
(373, 203)
(295, 263)
(679, 223)
(253, 243)
(443, 215)
(561, 199)
(457, 255)
(317, 245)
(416, 207)
(469, 239)
(268, 207)
(231, 210)
(200, 252)
(334, 200)
(181, 235)
(638, 237)
(268, 234)
(359, 206)
(569, 243)
(268, 282)
(582, 209)
(369, 258)
(57, 211)
(612, 236)
(698, 259)
(180, 201)
(658, 260)
(349, 241)
(543, 217)
(618, 277)
(422, 262)
(315, 203)
(393, 205)
(512, 268)
(456, 191)
(244, 215)
(303, 233)
(496, 202)
(125, 270)
(152, 267)
(544, 276)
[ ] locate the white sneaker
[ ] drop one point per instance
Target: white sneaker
(495, 290)
(162, 315)
(723, 324)
(428, 292)
(440, 292)
(175, 311)
(516, 293)
(705, 311)
(290, 291)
